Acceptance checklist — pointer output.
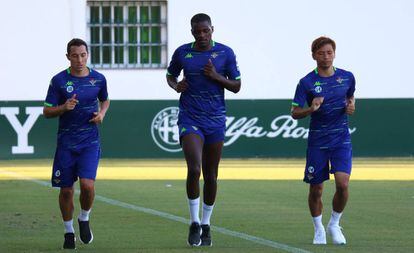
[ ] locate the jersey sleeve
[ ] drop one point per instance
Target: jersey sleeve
(351, 89)
(300, 95)
(103, 92)
(232, 69)
(53, 95)
(175, 67)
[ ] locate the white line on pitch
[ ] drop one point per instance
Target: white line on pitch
(168, 216)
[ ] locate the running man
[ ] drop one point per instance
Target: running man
(78, 96)
(209, 68)
(329, 93)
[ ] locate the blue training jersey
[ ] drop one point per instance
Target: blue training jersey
(202, 104)
(329, 124)
(75, 130)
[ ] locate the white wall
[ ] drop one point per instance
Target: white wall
(271, 39)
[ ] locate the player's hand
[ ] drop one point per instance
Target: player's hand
(350, 106)
(181, 86)
(316, 103)
(210, 70)
(97, 118)
(70, 104)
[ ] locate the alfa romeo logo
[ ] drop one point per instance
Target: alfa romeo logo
(164, 129)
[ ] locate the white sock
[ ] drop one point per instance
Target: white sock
(317, 222)
(84, 215)
(194, 206)
(207, 211)
(69, 226)
(335, 217)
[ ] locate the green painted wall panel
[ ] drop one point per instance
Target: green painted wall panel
(256, 128)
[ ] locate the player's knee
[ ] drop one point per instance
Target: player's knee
(194, 173)
(66, 193)
(316, 191)
(87, 186)
(210, 179)
(342, 186)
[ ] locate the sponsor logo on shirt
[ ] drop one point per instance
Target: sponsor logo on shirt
(318, 89)
(317, 83)
(189, 55)
(69, 89)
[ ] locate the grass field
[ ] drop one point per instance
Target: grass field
(261, 207)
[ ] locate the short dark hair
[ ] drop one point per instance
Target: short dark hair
(322, 41)
(76, 42)
(200, 17)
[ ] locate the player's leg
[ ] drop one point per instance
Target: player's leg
(315, 199)
(87, 168)
(87, 196)
(315, 207)
(316, 172)
(341, 168)
(211, 158)
(341, 194)
(63, 176)
(212, 151)
(192, 145)
(66, 208)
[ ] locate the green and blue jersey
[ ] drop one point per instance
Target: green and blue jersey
(202, 104)
(75, 131)
(329, 124)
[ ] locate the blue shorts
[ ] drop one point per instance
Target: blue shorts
(321, 162)
(69, 164)
(208, 135)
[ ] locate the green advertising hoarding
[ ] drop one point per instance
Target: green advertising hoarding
(255, 128)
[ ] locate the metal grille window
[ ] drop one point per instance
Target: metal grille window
(127, 34)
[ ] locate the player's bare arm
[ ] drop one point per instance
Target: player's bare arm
(231, 85)
(99, 116)
(69, 105)
(299, 113)
(350, 105)
(180, 86)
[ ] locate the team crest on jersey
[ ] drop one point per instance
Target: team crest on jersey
(214, 55)
(340, 80)
(93, 81)
(318, 89)
(69, 89)
(57, 173)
